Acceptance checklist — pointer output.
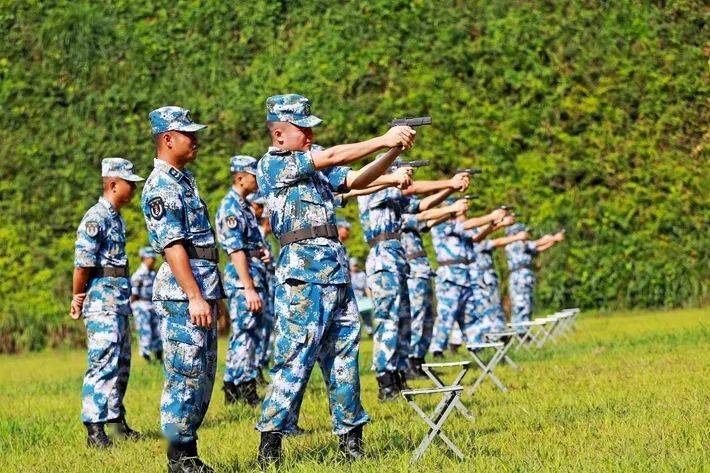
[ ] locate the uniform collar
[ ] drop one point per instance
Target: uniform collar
(172, 171)
(279, 151)
(108, 205)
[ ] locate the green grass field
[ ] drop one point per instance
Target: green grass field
(630, 392)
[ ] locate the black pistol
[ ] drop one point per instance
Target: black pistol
(412, 164)
(469, 170)
(411, 122)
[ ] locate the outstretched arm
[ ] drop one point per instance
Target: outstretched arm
(397, 138)
(507, 240)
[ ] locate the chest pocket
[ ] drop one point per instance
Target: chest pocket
(197, 218)
(115, 240)
(311, 207)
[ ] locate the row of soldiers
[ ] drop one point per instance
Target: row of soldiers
(312, 308)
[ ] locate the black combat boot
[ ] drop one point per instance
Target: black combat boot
(124, 430)
(248, 393)
(182, 458)
(260, 380)
(270, 449)
(159, 356)
(147, 358)
(402, 381)
(97, 435)
(388, 386)
(351, 444)
(415, 368)
(438, 354)
(231, 393)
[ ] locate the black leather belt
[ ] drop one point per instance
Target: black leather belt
(384, 236)
(449, 262)
(208, 253)
(110, 272)
(254, 253)
(319, 231)
(416, 255)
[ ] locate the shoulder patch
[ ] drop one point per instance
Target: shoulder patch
(156, 206)
(92, 228)
(231, 221)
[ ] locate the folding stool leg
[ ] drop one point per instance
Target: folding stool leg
(457, 382)
(436, 426)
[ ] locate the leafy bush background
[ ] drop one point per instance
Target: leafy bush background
(588, 115)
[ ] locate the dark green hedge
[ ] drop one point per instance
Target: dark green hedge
(588, 115)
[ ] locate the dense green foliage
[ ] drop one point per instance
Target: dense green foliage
(628, 393)
(588, 115)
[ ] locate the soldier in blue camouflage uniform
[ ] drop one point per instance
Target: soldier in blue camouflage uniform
(419, 281)
(484, 279)
(316, 313)
(263, 348)
(146, 319)
(187, 287)
(387, 272)
(453, 244)
(521, 281)
(101, 293)
(244, 281)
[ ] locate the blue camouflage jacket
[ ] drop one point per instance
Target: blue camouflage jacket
(238, 229)
(452, 242)
(142, 282)
(412, 239)
(520, 254)
(174, 211)
(101, 241)
(299, 196)
(382, 212)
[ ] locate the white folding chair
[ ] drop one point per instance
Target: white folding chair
(464, 366)
(508, 338)
(450, 396)
(486, 367)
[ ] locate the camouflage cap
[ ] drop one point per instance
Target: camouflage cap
(242, 163)
(119, 167)
(341, 222)
(172, 118)
(147, 252)
(292, 108)
(515, 228)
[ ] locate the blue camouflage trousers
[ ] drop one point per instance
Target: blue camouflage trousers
(485, 315)
(521, 287)
(393, 321)
(455, 304)
(494, 302)
(190, 365)
(421, 295)
(148, 327)
(266, 326)
(314, 322)
(109, 365)
(241, 363)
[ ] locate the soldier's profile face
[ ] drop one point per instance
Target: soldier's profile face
(296, 138)
(150, 262)
(185, 144)
(124, 190)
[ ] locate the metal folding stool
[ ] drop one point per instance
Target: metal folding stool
(530, 335)
(451, 395)
(428, 369)
(508, 338)
(486, 368)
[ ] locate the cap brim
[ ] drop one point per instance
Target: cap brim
(192, 127)
(309, 122)
(133, 178)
